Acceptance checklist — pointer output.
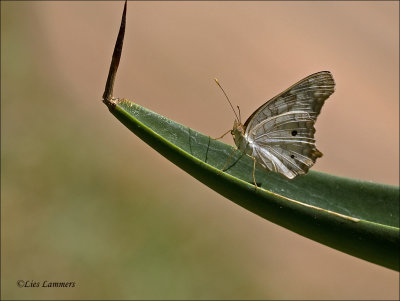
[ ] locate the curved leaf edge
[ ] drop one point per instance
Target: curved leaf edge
(381, 237)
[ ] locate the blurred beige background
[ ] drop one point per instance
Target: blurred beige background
(85, 200)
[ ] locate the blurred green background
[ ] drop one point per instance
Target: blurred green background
(85, 200)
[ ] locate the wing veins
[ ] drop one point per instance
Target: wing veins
(318, 82)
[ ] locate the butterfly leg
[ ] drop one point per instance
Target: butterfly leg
(254, 171)
(222, 136)
(227, 161)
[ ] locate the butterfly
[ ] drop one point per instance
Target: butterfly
(279, 135)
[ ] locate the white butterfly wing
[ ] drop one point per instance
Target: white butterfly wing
(282, 130)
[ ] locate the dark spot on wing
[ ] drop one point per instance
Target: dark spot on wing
(294, 133)
(292, 156)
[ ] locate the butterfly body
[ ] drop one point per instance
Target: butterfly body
(280, 134)
(238, 135)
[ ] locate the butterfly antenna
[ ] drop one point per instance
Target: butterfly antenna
(238, 119)
(107, 96)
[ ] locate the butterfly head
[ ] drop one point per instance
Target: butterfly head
(237, 132)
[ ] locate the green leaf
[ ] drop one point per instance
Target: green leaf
(356, 217)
